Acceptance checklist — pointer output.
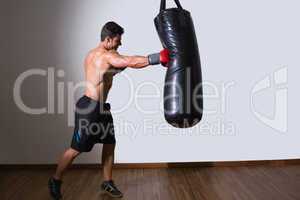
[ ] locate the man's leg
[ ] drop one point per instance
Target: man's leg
(54, 183)
(108, 155)
(108, 185)
(64, 162)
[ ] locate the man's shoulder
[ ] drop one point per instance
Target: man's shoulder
(103, 54)
(94, 55)
(111, 53)
(93, 59)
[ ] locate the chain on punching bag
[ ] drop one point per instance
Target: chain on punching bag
(183, 101)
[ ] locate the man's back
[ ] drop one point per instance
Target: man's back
(98, 74)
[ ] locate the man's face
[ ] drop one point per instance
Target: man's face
(115, 42)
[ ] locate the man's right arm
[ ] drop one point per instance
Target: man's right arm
(121, 61)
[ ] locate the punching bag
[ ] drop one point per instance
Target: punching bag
(183, 101)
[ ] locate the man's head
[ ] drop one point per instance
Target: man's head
(111, 35)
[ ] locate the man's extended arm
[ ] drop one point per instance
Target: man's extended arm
(119, 61)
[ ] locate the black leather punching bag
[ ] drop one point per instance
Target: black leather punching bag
(183, 101)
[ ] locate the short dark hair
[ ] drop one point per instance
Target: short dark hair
(111, 29)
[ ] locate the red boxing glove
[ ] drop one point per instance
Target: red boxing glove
(164, 57)
(159, 58)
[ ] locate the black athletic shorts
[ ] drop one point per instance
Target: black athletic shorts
(93, 124)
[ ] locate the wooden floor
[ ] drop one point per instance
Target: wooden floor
(209, 183)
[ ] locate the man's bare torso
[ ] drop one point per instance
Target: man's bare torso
(98, 74)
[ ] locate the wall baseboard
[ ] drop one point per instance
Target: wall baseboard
(162, 165)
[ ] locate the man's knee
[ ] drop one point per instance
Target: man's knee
(109, 148)
(72, 153)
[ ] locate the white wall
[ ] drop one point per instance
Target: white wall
(241, 43)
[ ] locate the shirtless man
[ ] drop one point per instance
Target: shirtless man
(93, 119)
